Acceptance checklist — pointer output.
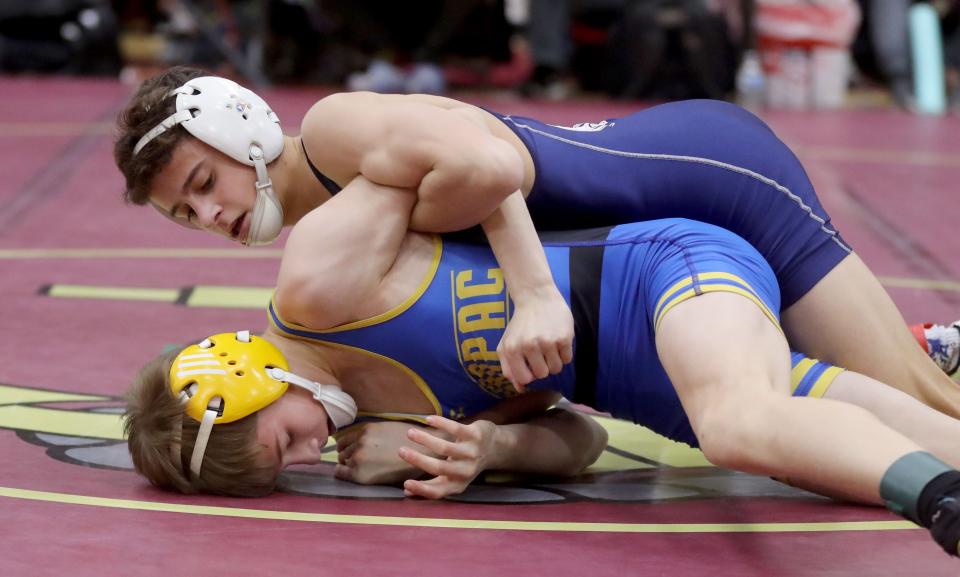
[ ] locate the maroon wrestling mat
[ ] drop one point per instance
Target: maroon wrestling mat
(91, 289)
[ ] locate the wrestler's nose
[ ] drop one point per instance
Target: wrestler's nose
(305, 452)
(208, 214)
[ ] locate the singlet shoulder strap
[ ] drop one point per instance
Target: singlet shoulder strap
(331, 186)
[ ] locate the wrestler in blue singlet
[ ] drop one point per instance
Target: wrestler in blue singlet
(619, 282)
(704, 160)
(699, 159)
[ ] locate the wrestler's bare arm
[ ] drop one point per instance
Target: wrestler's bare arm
(459, 170)
(558, 442)
(337, 255)
(522, 434)
(463, 175)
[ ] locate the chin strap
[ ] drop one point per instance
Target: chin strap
(266, 220)
(340, 406)
(203, 435)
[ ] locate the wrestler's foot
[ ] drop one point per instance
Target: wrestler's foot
(946, 525)
(941, 343)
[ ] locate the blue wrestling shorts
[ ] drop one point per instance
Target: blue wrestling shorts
(622, 282)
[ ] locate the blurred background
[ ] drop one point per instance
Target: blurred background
(788, 54)
(864, 91)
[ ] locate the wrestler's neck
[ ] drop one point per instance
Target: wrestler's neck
(296, 187)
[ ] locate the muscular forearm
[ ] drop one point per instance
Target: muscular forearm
(467, 180)
(456, 200)
(559, 442)
(515, 243)
(539, 338)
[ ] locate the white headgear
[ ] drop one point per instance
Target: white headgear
(240, 124)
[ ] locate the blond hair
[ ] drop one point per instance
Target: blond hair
(147, 108)
(231, 464)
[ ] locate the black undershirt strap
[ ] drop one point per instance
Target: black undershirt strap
(331, 186)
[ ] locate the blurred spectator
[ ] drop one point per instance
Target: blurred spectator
(212, 33)
(300, 44)
(882, 48)
(62, 36)
(551, 38)
(677, 49)
(883, 52)
(891, 40)
(951, 53)
(409, 43)
(805, 48)
(321, 41)
(664, 49)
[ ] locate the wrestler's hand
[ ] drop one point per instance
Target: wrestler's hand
(538, 340)
(458, 461)
(368, 453)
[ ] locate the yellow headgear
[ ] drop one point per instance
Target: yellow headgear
(230, 376)
(233, 369)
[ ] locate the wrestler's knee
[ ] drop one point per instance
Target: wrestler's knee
(730, 431)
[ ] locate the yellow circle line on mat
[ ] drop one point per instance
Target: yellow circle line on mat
(552, 526)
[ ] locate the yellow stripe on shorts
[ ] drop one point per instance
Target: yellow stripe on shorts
(819, 387)
(744, 290)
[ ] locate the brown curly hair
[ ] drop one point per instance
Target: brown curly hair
(230, 465)
(148, 108)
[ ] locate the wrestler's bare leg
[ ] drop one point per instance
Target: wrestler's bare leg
(737, 397)
(932, 430)
(849, 320)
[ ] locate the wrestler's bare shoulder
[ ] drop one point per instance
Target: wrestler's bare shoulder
(351, 105)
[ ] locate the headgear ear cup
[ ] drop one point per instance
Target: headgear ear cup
(266, 219)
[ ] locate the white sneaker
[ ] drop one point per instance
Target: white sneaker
(426, 78)
(380, 76)
(942, 344)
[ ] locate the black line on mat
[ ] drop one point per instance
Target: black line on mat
(184, 296)
(917, 256)
(635, 457)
